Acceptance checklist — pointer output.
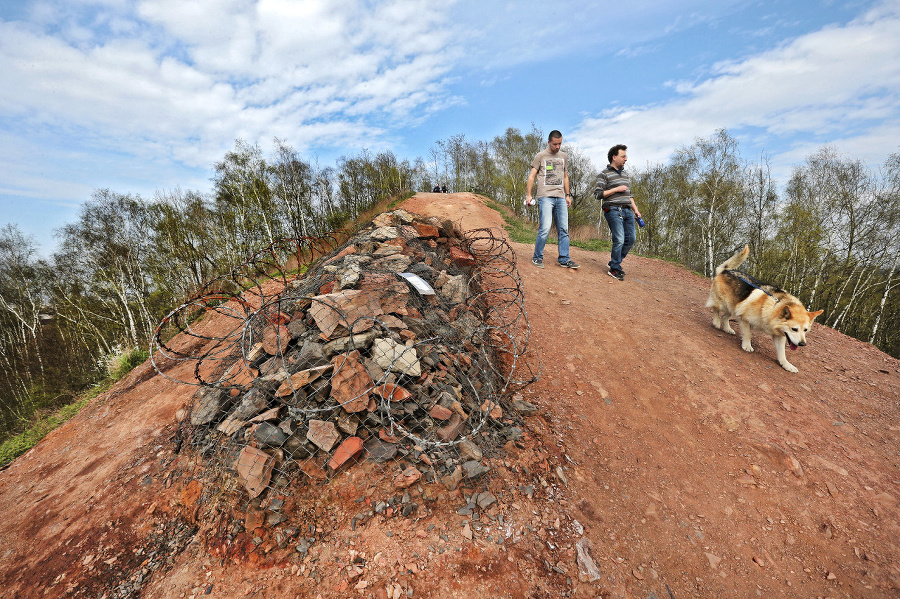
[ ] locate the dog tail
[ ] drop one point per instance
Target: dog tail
(734, 261)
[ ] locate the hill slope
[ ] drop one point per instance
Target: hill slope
(693, 468)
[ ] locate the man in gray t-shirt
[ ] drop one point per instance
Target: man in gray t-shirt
(549, 170)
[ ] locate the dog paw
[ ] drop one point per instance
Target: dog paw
(789, 367)
(729, 330)
(747, 347)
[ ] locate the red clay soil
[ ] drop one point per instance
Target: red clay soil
(693, 468)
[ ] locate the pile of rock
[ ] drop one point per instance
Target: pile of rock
(379, 351)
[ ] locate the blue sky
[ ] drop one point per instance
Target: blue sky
(146, 95)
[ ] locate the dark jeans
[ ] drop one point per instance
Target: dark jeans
(621, 228)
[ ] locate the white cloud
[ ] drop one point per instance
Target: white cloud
(828, 85)
(168, 84)
(186, 78)
(502, 35)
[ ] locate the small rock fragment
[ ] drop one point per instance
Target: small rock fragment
(588, 570)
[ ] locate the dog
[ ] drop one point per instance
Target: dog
(758, 306)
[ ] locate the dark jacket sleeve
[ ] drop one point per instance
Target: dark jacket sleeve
(600, 186)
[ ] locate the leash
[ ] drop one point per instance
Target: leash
(752, 284)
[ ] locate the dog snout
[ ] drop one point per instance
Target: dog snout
(802, 343)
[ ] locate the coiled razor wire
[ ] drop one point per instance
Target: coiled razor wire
(310, 347)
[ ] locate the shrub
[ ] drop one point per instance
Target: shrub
(120, 362)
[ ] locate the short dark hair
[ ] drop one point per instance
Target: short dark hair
(614, 151)
(554, 135)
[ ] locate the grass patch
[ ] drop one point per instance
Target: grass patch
(118, 365)
(399, 200)
(592, 245)
(122, 362)
(519, 230)
(522, 231)
(585, 237)
(19, 444)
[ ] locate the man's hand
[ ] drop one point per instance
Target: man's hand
(620, 189)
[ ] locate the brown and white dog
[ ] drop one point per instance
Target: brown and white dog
(758, 306)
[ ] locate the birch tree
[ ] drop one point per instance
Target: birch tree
(711, 185)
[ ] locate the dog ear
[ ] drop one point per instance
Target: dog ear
(786, 313)
(812, 315)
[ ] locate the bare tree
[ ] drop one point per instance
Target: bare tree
(711, 188)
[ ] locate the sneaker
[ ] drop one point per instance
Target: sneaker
(537, 262)
(569, 264)
(616, 274)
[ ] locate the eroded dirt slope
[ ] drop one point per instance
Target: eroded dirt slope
(693, 468)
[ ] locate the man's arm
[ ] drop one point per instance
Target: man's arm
(566, 188)
(599, 186)
(634, 208)
(530, 183)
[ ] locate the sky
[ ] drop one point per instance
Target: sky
(145, 96)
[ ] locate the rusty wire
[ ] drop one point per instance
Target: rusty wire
(328, 337)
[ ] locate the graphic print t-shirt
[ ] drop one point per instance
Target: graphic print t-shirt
(551, 170)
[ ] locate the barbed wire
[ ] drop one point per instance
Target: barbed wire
(407, 340)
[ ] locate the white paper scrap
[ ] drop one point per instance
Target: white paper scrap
(418, 283)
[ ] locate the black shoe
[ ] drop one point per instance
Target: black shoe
(616, 274)
(537, 262)
(569, 264)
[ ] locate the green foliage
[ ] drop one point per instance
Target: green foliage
(121, 362)
(392, 205)
(512, 154)
(18, 444)
(592, 245)
(518, 229)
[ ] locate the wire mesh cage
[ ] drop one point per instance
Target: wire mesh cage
(396, 351)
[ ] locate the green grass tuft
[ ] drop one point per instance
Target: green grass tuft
(522, 231)
(118, 365)
(592, 245)
(122, 362)
(399, 200)
(518, 230)
(19, 444)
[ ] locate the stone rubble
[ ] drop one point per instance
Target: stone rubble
(351, 363)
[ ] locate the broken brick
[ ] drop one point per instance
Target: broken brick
(350, 449)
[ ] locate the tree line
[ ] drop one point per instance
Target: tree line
(126, 261)
(832, 237)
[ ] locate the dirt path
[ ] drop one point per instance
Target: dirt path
(693, 468)
(706, 468)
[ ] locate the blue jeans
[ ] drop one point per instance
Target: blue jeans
(621, 228)
(553, 209)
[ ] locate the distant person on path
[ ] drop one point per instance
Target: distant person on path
(436, 189)
(613, 190)
(553, 199)
(443, 189)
